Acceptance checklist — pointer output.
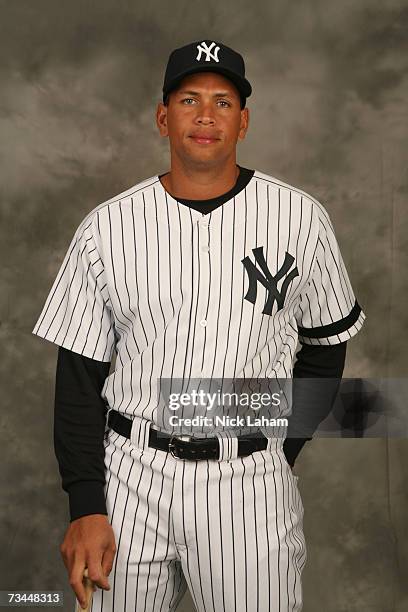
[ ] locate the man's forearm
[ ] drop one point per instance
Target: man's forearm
(316, 379)
(79, 427)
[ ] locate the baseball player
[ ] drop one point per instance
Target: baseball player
(210, 271)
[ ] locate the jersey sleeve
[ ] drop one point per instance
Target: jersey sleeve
(328, 312)
(76, 314)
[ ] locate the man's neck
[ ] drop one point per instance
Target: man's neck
(199, 185)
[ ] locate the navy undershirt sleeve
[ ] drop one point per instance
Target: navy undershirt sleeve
(316, 379)
(79, 428)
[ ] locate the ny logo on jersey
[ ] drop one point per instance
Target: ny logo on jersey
(204, 48)
(267, 280)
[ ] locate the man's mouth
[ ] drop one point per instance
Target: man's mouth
(203, 139)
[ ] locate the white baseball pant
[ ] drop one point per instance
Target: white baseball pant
(231, 530)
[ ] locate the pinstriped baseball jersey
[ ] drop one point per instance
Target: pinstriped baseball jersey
(182, 294)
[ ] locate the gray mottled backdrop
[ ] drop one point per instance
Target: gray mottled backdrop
(79, 85)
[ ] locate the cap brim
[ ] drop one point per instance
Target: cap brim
(243, 86)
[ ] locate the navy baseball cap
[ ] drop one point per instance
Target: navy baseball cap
(206, 56)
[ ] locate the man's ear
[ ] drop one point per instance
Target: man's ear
(244, 123)
(161, 119)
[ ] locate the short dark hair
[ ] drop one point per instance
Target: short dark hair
(242, 98)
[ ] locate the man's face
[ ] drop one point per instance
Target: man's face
(203, 119)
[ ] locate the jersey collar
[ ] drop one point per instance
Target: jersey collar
(204, 206)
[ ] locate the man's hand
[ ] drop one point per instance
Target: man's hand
(89, 542)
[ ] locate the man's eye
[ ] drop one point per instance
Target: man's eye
(188, 100)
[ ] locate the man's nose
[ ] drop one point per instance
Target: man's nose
(205, 119)
(205, 114)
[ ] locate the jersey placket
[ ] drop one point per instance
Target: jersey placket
(202, 257)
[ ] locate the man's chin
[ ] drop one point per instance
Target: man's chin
(205, 159)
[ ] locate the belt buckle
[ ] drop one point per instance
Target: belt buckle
(172, 446)
(107, 425)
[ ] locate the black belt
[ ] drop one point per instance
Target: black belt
(186, 447)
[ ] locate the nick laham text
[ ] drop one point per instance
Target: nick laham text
(227, 421)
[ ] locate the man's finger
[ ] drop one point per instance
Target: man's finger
(107, 561)
(89, 590)
(96, 574)
(76, 581)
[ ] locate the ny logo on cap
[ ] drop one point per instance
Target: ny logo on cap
(268, 281)
(204, 48)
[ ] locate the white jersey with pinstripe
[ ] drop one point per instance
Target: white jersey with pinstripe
(179, 294)
(166, 287)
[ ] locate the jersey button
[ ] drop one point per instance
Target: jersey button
(204, 224)
(205, 248)
(203, 322)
